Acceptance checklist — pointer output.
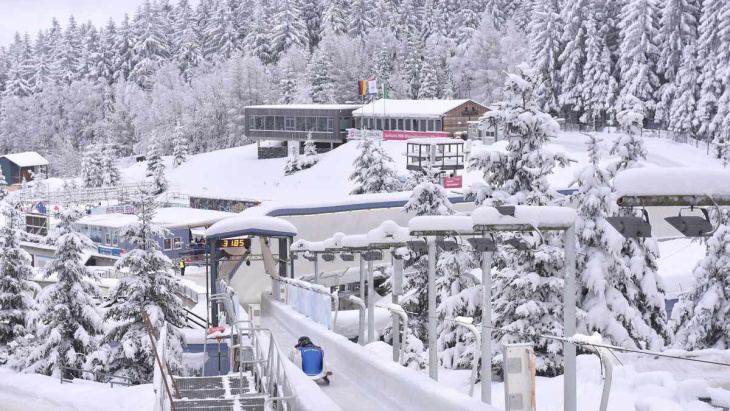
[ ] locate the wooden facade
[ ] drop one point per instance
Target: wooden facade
(457, 119)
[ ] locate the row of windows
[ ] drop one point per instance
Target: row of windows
(281, 123)
(400, 124)
(169, 243)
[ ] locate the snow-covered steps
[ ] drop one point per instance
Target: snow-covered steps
(223, 393)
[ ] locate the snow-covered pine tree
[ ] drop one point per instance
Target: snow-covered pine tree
(411, 67)
(69, 318)
(289, 29)
(528, 284)
(544, 41)
(576, 15)
(335, 17)
(374, 172)
(180, 146)
(320, 77)
(607, 294)
(293, 162)
(639, 53)
(16, 288)
(312, 11)
(682, 113)
(3, 185)
(222, 34)
(630, 146)
(426, 199)
(287, 83)
(110, 171)
(257, 41)
(148, 288)
(156, 168)
(188, 52)
(151, 46)
(416, 177)
(701, 318)
(361, 18)
(600, 88)
(458, 295)
(708, 60)
(428, 89)
(640, 254)
(310, 157)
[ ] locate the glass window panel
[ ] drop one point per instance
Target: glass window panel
(408, 124)
(422, 125)
(178, 243)
(279, 123)
(400, 124)
(251, 123)
(438, 125)
(167, 244)
(259, 122)
(379, 124)
(301, 124)
(329, 125)
(289, 124)
(270, 123)
(311, 123)
(322, 124)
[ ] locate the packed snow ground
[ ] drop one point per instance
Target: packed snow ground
(238, 173)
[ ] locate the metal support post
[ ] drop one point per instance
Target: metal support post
(213, 282)
(361, 336)
(433, 371)
(487, 324)
(397, 285)
(316, 268)
(569, 388)
(371, 304)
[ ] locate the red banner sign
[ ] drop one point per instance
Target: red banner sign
(407, 135)
(452, 182)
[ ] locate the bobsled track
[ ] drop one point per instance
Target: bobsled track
(361, 381)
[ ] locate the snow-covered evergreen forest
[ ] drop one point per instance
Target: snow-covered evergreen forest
(169, 66)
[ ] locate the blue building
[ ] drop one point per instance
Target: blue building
(105, 223)
(21, 166)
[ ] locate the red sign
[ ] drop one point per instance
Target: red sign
(452, 182)
(407, 135)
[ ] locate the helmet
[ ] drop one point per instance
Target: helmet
(303, 342)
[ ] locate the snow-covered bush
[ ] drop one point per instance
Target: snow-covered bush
(310, 157)
(3, 185)
(180, 147)
(109, 169)
(630, 146)
(69, 319)
(701, 318)
(92, 174)
(149, 288)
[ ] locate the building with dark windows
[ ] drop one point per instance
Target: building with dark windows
(449, 117)
(273, 126)
(21, 167)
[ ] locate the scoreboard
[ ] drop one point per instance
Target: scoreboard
(234, 242)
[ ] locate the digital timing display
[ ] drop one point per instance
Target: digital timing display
(234, 242)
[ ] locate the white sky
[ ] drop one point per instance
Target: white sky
(33, 15)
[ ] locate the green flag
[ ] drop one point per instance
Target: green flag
(385, 89)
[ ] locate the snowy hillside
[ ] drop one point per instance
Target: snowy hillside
(236, 172)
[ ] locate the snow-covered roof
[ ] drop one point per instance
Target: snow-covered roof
(672, 181)
(545, 217)
(27, 159)
(169, 218)
(243, 224)
(442, 224)
(308, 106)
(435, 140)
(408, 108)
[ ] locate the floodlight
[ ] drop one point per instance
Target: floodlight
(482, 244)
(345, 256)
(692, 226)
(329, 257)
(310, 256)
(418, 246)
(294, 256)
(447, 245)
(372, 255)
(632, 226)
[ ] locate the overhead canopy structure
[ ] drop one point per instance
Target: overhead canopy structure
(251, 225)
(673, 186)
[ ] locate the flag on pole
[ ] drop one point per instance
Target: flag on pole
(373, 87)
(362, 87)
(385, 89)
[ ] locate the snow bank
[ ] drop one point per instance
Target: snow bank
(404, 387)
(79, 395)
(672, 181)
(242, 223)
